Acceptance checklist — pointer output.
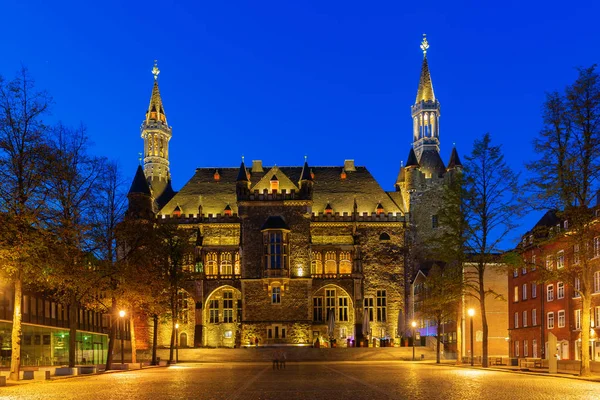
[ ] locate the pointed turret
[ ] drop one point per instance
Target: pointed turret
(242, 183)
(306, 180)
(426, 111)
(412, 159)
(242, 175)
(454, 160)
(139, 196)
(306, 175)
(156, 134)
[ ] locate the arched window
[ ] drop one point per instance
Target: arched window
(384, 236)
(211, 264)
(330, 263)
(345, 263)
(226, 266)
(236, 264)
(316, 265)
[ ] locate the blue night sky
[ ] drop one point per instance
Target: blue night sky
(278, 80)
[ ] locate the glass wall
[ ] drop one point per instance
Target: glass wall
(50, 346)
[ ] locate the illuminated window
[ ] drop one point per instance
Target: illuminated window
(214, 311)
(275, 249)
(330, 263)
(576, 288)
(550, 293)
(381, 306)
(317, 309)
(516, 294)
(227, 210)
(276, 295)
(533, 265)
(516, 320)
(561, 319)
(228, 306)
(549, 262)
(596, 281)
(217, 176)
(550, 320)
(345, 263)
(274, 183)
(578, 319)
(560, 290)
(177, 211)
(369, 308)
(328, 209)
(236, 264)
(343, 308)
(226, 265)
(379, 209)
(316, 265)
(560, 259)
(211, 264)
(343, 175)
(596, 316)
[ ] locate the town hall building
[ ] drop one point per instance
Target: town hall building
(286, 253)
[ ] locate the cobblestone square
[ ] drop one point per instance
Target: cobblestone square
(348, 380)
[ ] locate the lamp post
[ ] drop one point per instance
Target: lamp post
(414, 325)
(176, 343)
(122, 315)
(471, 313)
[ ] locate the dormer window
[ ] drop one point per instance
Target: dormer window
(217, 176)
(343, 175)
(328, 209)
(274, 184)
(227, 211)
(312, 174)
(177, 211)
(379, 209)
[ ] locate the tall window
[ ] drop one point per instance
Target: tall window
(276, 295)
(211, 264)
(214, 311)
(236, 264)
(369, 307)
(533, 265)
(329, 302)
(533, 290)
(578, 319)
(318, 309)
(226, 265)
(516, 294)
(381, 306)
(534, 348)
(343, 308)
(560, 290)
(534, 317)
(597, 246)
(576, 254)
(345, 263)
(524, 294)
(550, 293)
(525, 348)
(515, 272)
(576, 287)
(516, 320)
(330, 263)
(561, 319)
(549, 262)
(316, 265)
(597, 316)
(560, 259)
(525, 319)
(275, 250)
(516, 348)
(596, 281)
(228, 306)
(550, 320)
(434, 221)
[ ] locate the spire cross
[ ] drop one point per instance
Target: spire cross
(155, 70)
(424, 45)
(140, 158)
(242, 158)
(305, 158)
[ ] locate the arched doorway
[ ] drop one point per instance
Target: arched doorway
(333, 302)
(183, 340)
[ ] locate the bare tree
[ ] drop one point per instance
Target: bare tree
(566, 179)
(23, 170)
(491, 208)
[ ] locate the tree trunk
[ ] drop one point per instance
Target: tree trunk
(15, 359)
(586, 303)
(112, 334)
(439, 339)
(154, 338)
(173, 319)
(73, 311)
(132, 338)
(484, 325)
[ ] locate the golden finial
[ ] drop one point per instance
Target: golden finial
(155, 70)
(242, 158)
(140, 158)
(305, 158)
(424, 45)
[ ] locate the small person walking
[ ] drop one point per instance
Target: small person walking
(275, 359)
(282, 358)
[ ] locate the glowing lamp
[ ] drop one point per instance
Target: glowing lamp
(121, 313)
(471, 312)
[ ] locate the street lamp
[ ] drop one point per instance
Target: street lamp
(414, 325)
(471, 313)
(122, 315)
(176, 343)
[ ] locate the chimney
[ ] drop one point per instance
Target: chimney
(257, 166)
(349, 165)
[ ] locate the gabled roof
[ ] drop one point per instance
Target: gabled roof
(139, 184)
(431, 162)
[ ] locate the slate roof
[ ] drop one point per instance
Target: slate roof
(454, 159)
(425, 91)
(202, 189)
(139, 184)
(432, 163)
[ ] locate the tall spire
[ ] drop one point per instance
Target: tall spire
(157, 134)
(425, 91)
(426, 111)
(156, 111)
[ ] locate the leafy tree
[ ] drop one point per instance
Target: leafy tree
(491, 208)
(565, 178)
(23, 171)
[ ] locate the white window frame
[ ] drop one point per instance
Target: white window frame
(561, 318)
(596, 316)
(534, 317)
(577, 321)
(524, 291)
(524, 319)
(550, 292)
(549, 262)
(533, 290)
(560, 259)
(550, 320)
(516, 348)
(516, 320)
(533, 264)
(560, 290)
(525, 348)
(516, 295)
(597, 282)
(597, 246)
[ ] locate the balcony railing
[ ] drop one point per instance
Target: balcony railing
(330, 276)
(222, 276)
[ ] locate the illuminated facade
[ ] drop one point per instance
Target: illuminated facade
(282, 250)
